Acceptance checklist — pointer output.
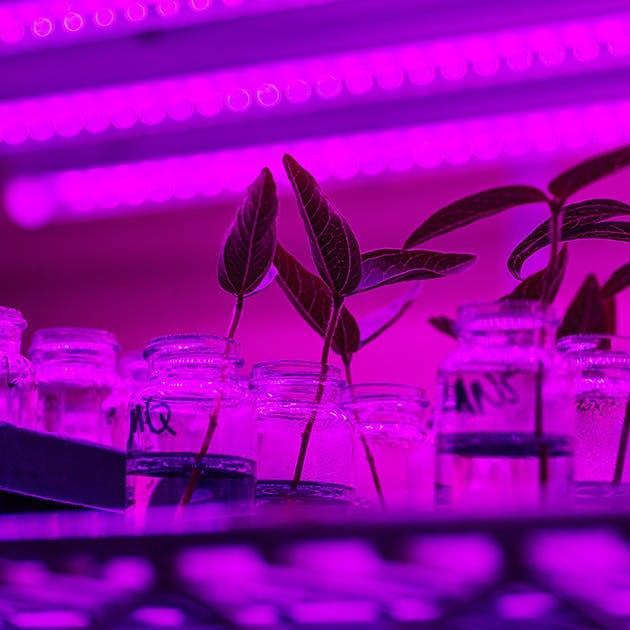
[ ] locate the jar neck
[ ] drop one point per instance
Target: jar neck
(507, 323)
(67, 352)
(296, 382)
(391, 403)
(12, 325)
(193, 357)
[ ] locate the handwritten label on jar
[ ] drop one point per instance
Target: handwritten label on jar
(489, 400)
(155, 416)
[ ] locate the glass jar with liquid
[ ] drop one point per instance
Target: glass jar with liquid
(78, 383)
(18, 387)
(504, 415)
(192, 437)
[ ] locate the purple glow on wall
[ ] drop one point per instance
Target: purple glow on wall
(353, 76)
(33, 201)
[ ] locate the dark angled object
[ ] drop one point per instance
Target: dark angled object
(473, 208)
(250, 241)
(390, 266)
(313, 301)
(333, 245)
(586, 314)
(618, 281)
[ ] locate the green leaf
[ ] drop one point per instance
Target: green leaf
(333, 245)
(473, 208)
(581, 220)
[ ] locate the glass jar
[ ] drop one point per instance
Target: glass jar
(78, 382)
(504, 413)
(395, 446)
(193, 395)
(18, 388)
(133, 370)
(601, 368)
(289, 396)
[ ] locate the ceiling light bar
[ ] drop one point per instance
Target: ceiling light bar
(384, 73)
(30, 24)
(34, 201)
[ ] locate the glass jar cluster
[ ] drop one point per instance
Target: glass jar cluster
(197, 433)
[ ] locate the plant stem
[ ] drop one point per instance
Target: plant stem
(366, 447)
(623, 446)
(306, 434)
(543, 474)
(213, 416)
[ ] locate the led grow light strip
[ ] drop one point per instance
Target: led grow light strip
(429, 66)
(27, 23)
(38, 200)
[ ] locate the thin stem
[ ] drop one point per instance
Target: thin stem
(543, 467)
(623, 446)
(308, 429)
(213, 416)
(236, 317)
(366, 446)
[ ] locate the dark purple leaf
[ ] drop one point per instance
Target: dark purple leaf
(619, 281)
(547, 280)
(472, 208)
(334, 246)
(610, 308)
(250, 241)
(378, 321)
(313, 301)
(389, 266)
(584, 174)
(445, 325)
(586, 314)
(579, 220)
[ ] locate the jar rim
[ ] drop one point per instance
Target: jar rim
(191, 342)
(13, 316)
(501, 313)
(385, 392)
(591, 344)
(292, 369)
(56, 338)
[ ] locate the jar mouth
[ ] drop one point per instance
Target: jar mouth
(612, 350)
(193, 344)
(504, 316)
(385, 392)
(292, 371)
(74, 339)
(13, 317)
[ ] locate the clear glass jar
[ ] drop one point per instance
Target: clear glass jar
(193, 390)
(134, 374)
(78, 382)
(18, 387)
(285, 395)
(601, 367)
(395, 446)
(504, 413)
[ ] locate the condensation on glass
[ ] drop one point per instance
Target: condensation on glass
(504, 414)
(288, 396)
(601, 367)
(78, 383)
(193, 391)
(395, 446)
(18, 388)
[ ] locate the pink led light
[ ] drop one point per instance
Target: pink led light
(43, 27)
(239, 100)
(268, 95)
(200, 5)
(136, 12)
(298, 91)
(329, 87)
(73, 22)
(35, 201)
(167, 8)
(104, 17)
